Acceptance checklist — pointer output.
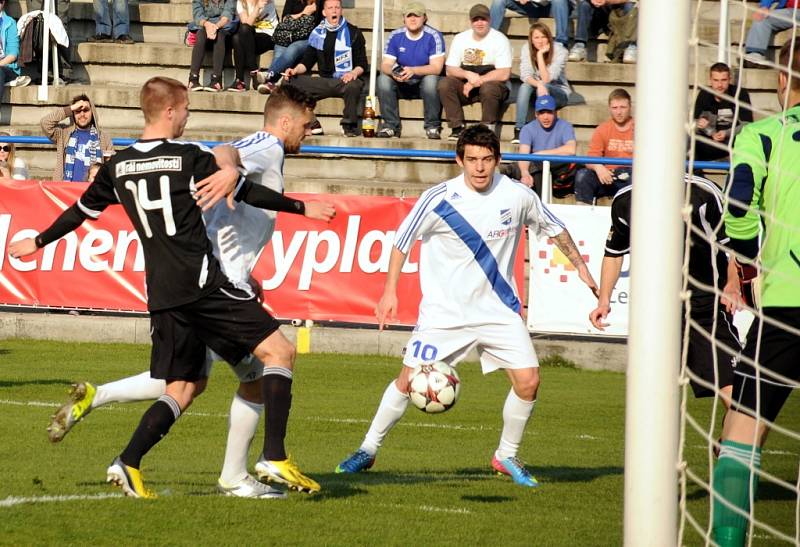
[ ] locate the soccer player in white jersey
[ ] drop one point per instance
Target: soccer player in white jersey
(470, 228)
(237, 237)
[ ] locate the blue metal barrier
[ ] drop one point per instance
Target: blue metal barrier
(406, 153)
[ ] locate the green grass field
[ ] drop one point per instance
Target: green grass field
(431, 483)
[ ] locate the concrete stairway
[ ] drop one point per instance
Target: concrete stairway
(113, 73)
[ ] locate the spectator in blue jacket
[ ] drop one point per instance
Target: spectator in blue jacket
(9, 47)
(412, 63)
(770, 17)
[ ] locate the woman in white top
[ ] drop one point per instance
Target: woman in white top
(545, 74)
(254, 37)
(10, 165)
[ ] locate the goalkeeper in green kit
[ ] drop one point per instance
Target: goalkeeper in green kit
(764, 191)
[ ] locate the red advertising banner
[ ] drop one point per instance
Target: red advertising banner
(310, 270)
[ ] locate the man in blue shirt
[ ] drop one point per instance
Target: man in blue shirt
(412, 63)
(546, 134)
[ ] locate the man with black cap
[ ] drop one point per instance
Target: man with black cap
(412, 63)
(478, 68)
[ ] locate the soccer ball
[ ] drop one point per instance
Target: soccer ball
(434, 387)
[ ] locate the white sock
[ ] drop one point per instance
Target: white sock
(393, 406)
(131, 389)
(242, 424)
(516, 413)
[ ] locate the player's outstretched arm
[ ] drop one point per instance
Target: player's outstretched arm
(266, 198)
(609, 274)
(386, 308)
(23, 247)
(320, 210)
(67, 221)
(567, 246)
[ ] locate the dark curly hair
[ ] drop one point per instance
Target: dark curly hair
(478, 135)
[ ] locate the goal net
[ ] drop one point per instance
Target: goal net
(772, 509)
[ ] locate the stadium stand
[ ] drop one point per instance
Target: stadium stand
(112, 74)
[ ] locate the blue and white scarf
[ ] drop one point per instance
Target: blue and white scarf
(342, 51)
(94, 153)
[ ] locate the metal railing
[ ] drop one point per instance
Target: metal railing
(363, 151)
(401, 153)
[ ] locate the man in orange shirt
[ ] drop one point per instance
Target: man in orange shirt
(611, 139)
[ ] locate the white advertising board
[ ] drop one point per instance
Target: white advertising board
(558, 301)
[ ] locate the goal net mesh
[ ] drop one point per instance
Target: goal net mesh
(774, 510)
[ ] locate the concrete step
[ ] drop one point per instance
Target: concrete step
(118, 107)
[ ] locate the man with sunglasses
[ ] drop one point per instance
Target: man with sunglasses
(79, 142)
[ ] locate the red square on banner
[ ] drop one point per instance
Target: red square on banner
(562, 278)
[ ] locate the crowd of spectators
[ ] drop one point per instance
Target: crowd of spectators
(417, 64)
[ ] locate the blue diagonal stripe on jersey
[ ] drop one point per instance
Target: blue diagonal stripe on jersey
(483, 256)
(420, 214)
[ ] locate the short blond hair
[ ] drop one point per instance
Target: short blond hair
(157, 94)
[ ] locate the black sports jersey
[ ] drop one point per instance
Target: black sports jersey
(154, 181)
(706, 201)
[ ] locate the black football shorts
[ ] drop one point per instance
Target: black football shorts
(229, 320)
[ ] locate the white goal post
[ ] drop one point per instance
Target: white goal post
(652, 394)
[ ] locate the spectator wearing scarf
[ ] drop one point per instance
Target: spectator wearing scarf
(339, 50)
(79, 143)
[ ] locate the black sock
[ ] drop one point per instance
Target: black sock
(276, 388)
(155, 423)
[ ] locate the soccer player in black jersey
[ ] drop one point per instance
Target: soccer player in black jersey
(191, 303)
(708, 269)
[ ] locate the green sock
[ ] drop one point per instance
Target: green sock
(733, 480)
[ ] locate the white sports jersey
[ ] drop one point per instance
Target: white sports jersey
(469, 240)
(239, 235)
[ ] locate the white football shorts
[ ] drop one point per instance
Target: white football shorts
(506, 346)
(246, 370)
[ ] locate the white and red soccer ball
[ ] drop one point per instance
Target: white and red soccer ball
(434, 387)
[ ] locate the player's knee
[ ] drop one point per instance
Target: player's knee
(251, 391)
(526, 389)
(276, 350)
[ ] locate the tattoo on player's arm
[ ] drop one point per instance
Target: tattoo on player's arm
(567, 246)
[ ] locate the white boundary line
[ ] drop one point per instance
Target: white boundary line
(12, 501)
(424, 425)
